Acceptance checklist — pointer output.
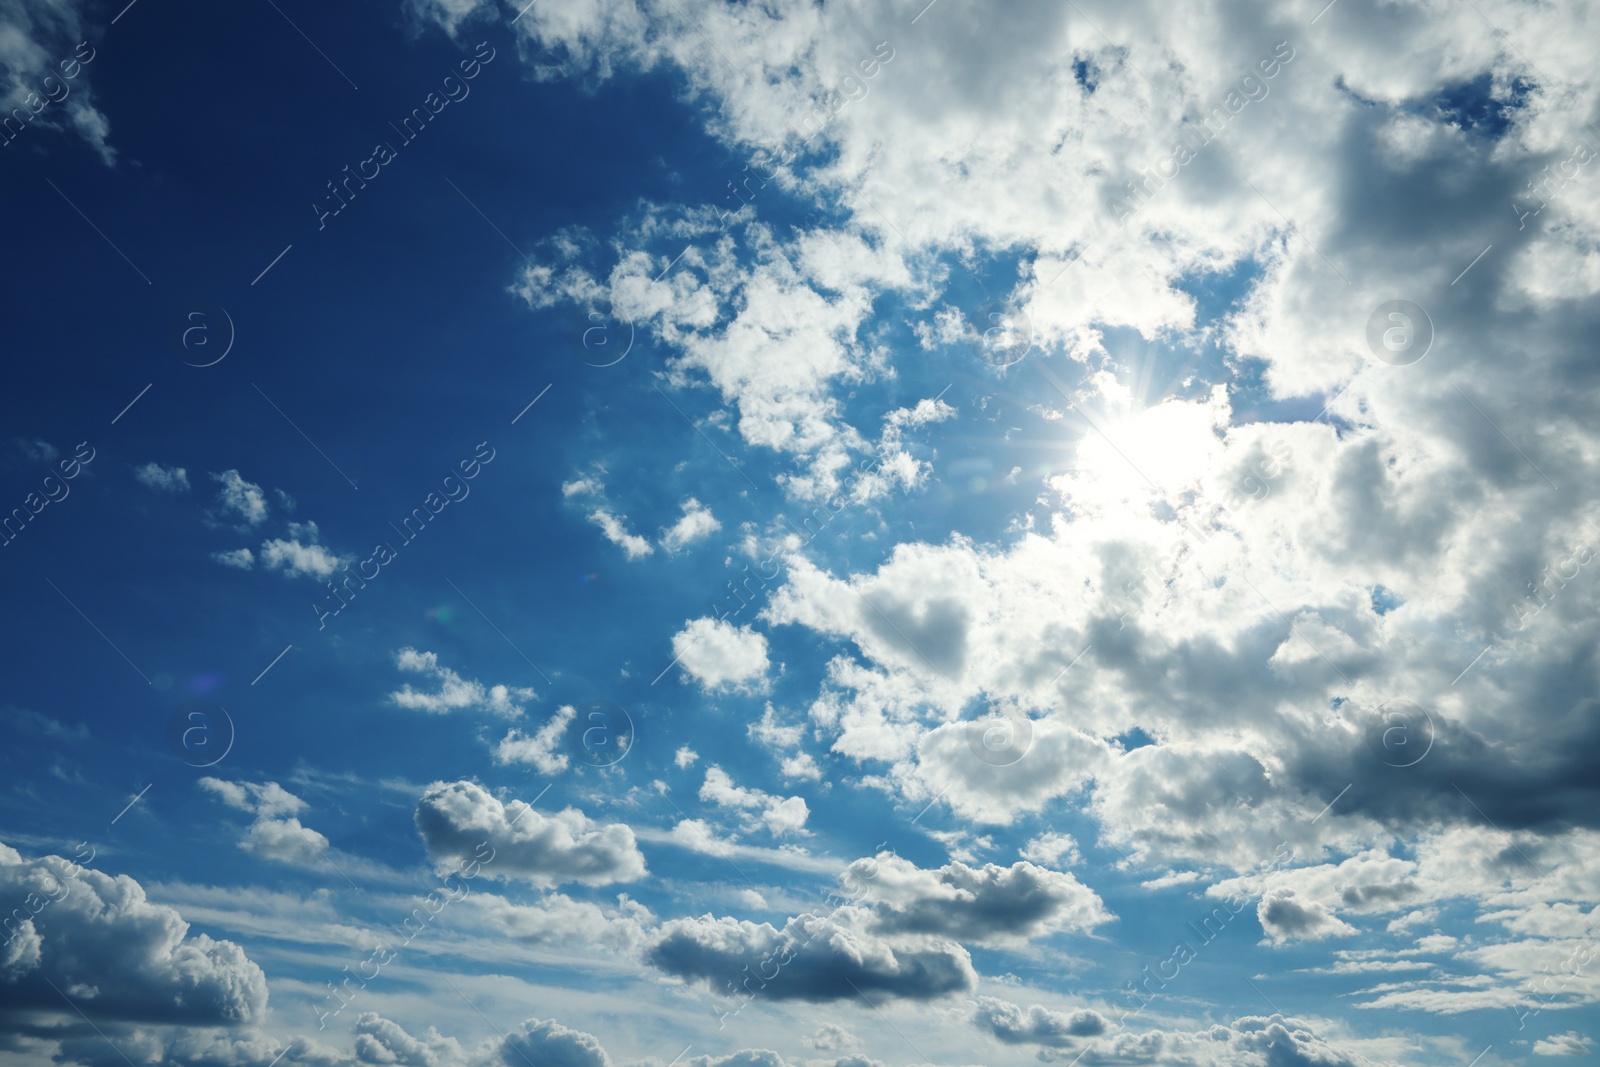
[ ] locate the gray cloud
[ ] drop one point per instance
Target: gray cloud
(457, 819)
(811, 958)
(1036, 1025)
(117, 955)
(976, 904)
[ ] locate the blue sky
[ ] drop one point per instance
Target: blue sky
(798, 534)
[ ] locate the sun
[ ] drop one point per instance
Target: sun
(1161, 450)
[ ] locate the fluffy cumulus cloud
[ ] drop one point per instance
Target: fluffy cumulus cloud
(116, 954)
(696, 523)
(546, 1041)
(1251, 1041)
(277, 832)
(455, 693)
(239, 558)
(718, 654)
(383, 1041)
(778, 815)
(987, 904)
(459, 820)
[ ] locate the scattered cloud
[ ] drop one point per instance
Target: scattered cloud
(163, 479)
(456, 693)
(455, 818)
(696, 524)
(244, 499)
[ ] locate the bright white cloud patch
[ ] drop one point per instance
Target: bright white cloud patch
(778, 815)
(696, 523)
(277, 833)
(719, 654)
(616, 531)
(540, 747)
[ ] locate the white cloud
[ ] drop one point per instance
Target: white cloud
(49, 63)
(164, 479)
(696, 522)
(684, 757)
(838, 962)
(778, 815)
(1570, 1043)
(772, 734)
(1051, 849)
(244, 498)
(545, 1041)
(801, 767)
(718, 654)
(300, 553)
(276, 833)
(616, 531)
(456, 693)
(538, 748)
(242, 558)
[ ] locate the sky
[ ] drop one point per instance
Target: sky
(634, 533)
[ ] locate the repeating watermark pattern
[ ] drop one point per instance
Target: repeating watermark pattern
(601, 733)
(52, 490)
(200, 733)
(606, 340)
(1399, 332)
(199, 347)
(1002, 738)
(1553, 578)
(1570, 971)
(1005, 333)
(1543, 192)
(1400, 733)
